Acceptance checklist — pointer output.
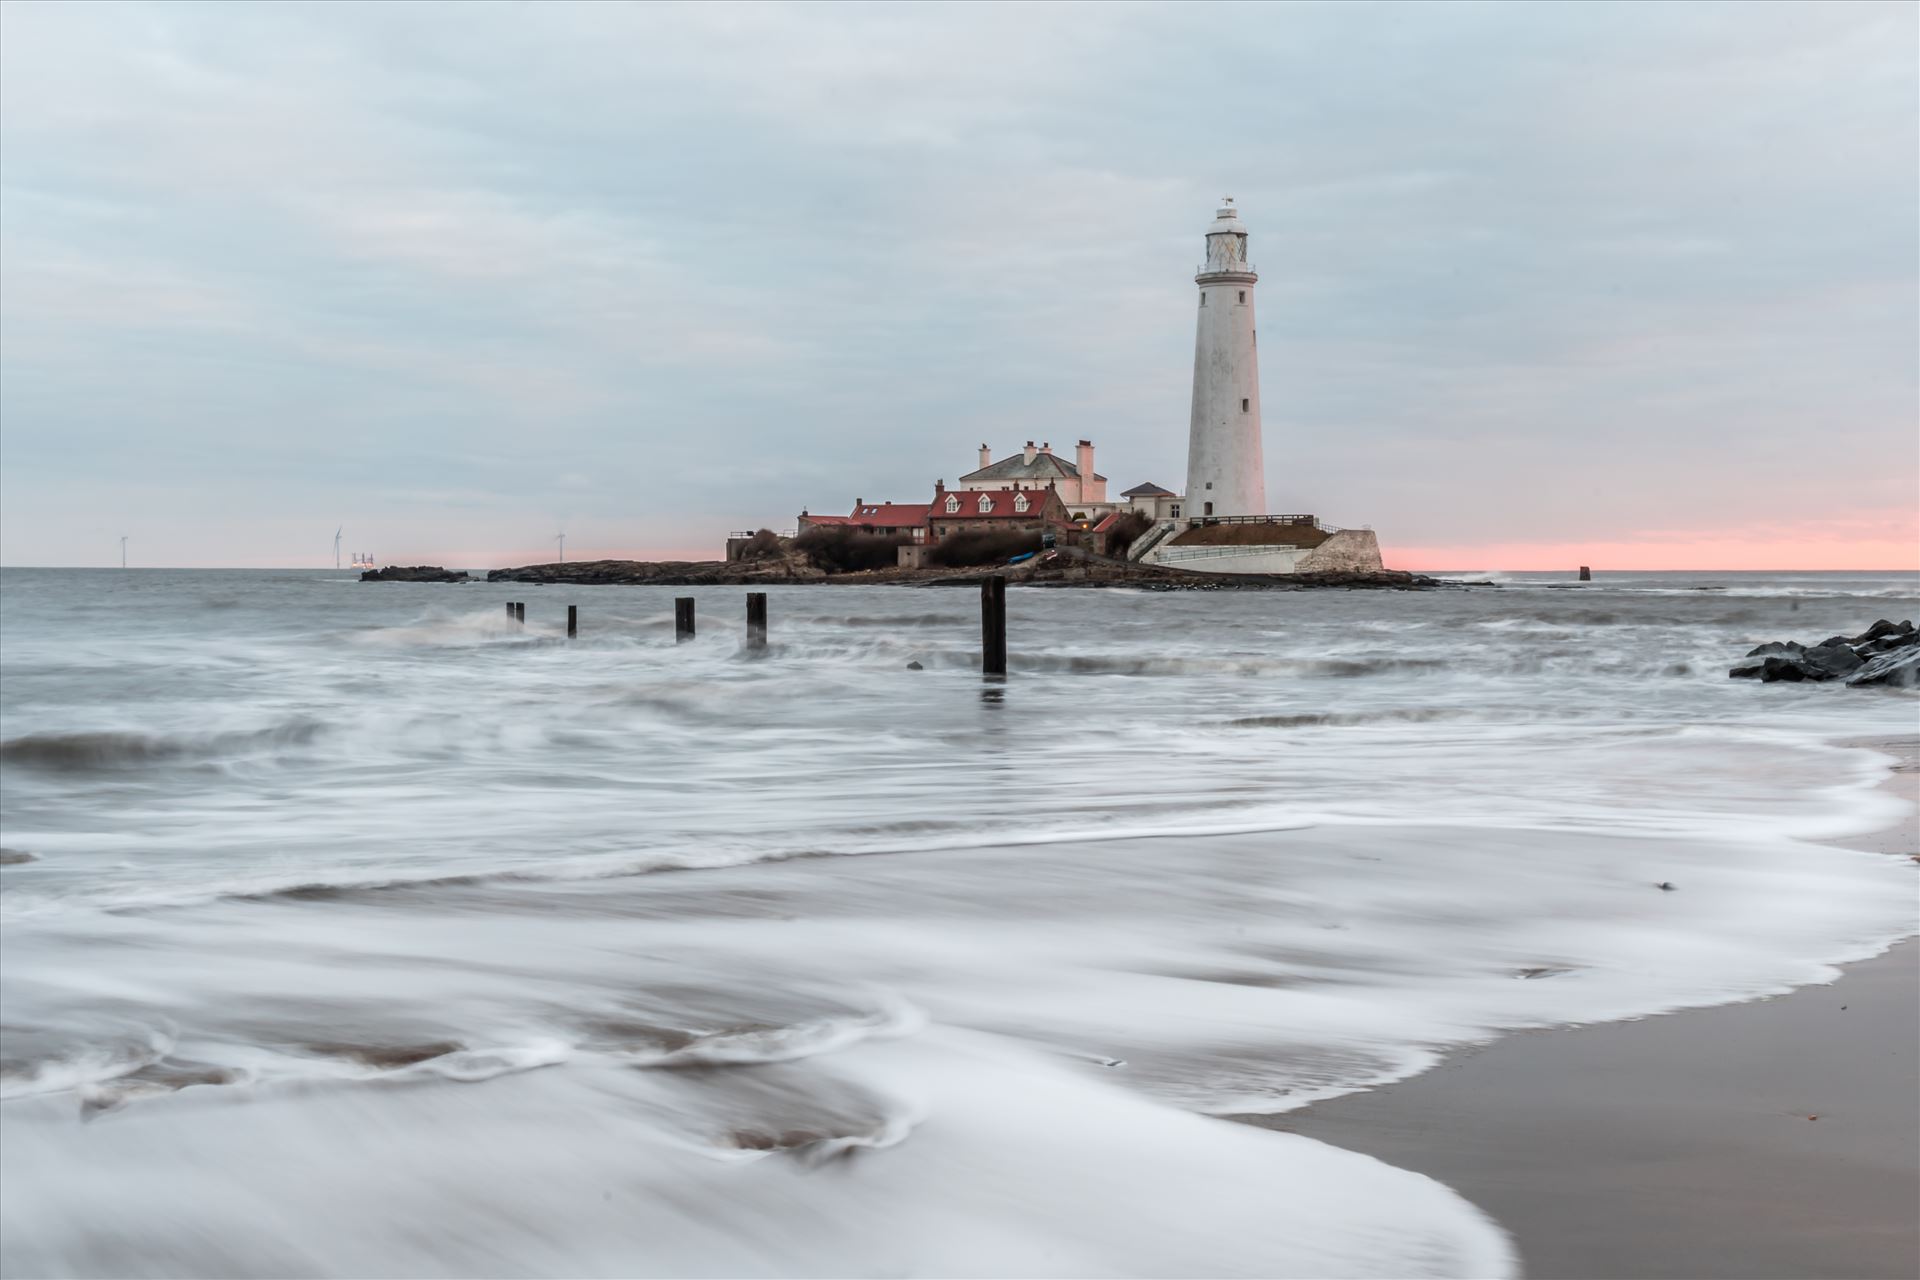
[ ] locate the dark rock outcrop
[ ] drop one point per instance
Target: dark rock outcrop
(1062, 567)
(414, 573)
(1832, 660)
(1768, 669)
(1887, 653)
(662, 573)
(1897, 667)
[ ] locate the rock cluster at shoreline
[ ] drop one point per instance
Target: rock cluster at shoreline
(414, 573)
(1886, 653)
(662, 573)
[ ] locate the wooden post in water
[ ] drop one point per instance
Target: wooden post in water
(573, 621)
(1586, 574)
(520, 612)
(756, 620)
(993, 626)
(509, 611)
(682, 619)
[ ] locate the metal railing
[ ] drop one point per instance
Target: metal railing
(1151, 539)
(1206, 520)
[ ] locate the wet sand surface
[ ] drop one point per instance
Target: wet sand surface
(1685, 1146)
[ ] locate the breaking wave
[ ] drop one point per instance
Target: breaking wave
(98, 752)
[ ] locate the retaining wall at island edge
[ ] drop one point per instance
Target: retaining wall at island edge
(1348, 551)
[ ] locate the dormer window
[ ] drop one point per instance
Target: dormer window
(953, 505)
(986, 504)
(1019, 502)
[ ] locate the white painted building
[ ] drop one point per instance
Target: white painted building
(1081, 488)
(1153, 502)
(1226, 474)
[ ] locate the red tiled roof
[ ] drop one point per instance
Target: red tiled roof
(1003, 507)
(1106, 522)
(889, 515)
(813, 519)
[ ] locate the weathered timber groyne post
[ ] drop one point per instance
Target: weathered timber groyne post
(573, 621)
(993, 626)
(1586, 574)
(682, 619)
(756, 620)
(520, 612)
(509, 611)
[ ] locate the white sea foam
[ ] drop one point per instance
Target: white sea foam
(530, 952)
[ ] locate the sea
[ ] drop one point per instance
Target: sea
(357, 929)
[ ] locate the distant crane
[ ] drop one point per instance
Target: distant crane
(123, 551)
(336, 545)
(561, 538)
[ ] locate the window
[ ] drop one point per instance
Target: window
(1209, 510)
(1174, 511)
(953, 504)
(1243, 295)
(1209, 484)
(1203, 297)
(986, 504)
(1245, 404)
(1019, 502)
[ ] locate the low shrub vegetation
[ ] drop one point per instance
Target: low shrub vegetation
(839, 549)
(996, 546)
(764, 545)
(1124, 531)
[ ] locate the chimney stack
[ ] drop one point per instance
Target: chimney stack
(1046, 447)
(1091, 490)
(986, 457)
(1029, 453)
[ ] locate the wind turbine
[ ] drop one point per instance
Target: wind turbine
(123, 551)
(336, 545)
(561, 538)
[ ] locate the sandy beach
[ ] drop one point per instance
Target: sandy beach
(1774, 1139)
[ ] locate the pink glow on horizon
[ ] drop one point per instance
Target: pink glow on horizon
(1699, 554)
(1871, 540)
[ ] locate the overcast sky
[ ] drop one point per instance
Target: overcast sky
(1540, 284)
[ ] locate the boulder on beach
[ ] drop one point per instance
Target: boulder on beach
(1832, 659)
(1897, 667)
(414, 573)
(1769, 669)
(1887, 653)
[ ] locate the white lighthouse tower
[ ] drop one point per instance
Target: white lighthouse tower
(1225, 473)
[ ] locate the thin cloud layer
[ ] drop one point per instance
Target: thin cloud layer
(1534, 279)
